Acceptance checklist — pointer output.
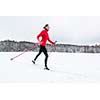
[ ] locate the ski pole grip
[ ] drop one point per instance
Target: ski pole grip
(55, 42)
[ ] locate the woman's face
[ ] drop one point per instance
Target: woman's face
(47, 28)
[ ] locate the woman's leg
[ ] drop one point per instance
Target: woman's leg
(46, 56)
(40, 51)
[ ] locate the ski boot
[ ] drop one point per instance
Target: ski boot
(33, 61)
(46, 68)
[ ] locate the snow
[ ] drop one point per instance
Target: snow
(64, 67)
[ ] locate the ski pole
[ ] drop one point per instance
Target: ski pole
(54, 47)
(24, 52)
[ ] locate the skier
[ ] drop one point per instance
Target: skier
(45, 36)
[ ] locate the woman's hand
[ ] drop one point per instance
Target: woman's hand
(40, 42)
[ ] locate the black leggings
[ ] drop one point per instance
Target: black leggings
(44, 50)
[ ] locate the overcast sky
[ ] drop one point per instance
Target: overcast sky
(64, 29)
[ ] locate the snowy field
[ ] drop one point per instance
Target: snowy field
(64, 67)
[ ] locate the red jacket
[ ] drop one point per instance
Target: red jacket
(45, 37)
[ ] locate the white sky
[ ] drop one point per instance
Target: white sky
(64, 29)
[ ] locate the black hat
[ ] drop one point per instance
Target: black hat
(46, 26)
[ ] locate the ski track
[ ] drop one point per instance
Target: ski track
(64, 67)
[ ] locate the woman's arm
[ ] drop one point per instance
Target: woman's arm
(50, 41)
(39, 36)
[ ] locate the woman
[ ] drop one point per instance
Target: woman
(45, 36)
